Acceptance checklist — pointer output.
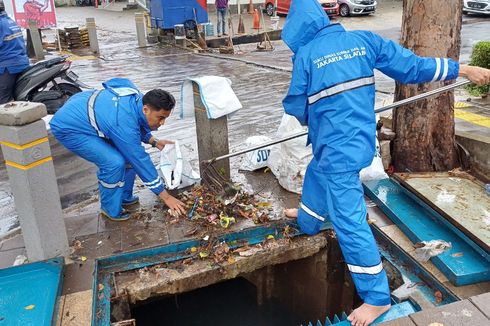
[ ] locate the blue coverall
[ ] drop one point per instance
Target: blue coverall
(332, 91)
(13, 57)
(107, 127)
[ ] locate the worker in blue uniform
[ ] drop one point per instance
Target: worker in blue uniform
(13, 57)
(107, 127)
(332, 92)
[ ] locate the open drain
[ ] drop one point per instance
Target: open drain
(279, 281)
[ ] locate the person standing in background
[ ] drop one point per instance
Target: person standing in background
(221, 10)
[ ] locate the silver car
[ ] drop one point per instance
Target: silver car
(356, 7)
(476, 7)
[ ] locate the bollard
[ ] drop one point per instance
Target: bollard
(212, 136)
(36, 40)
(140, 28)
(92, 35)
(27, 155)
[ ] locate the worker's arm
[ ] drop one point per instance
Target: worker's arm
(296, 101)
(127, 141)
(477, 75)
(403, 65)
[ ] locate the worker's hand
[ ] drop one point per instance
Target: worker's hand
(162, 142)
(172, 202)
(477, 75)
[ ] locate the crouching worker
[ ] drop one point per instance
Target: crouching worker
(106, 127)
(332, 91)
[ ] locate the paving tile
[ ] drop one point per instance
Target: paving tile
(144, 236)
(482, 302)
(78, 276)
(7, 257)
(100, 244)
(81, 225)
(454, 314)
(405, 321)
(467, 291)
(77, 309)
(14, 242)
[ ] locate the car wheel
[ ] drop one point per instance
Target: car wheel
(344, 10)
(269, 9)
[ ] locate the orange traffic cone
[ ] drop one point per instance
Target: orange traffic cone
(256, 21)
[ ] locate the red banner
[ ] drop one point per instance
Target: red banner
(40, 11)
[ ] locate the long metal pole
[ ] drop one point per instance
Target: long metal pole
(381, 109)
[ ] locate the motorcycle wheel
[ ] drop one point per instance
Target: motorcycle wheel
(67, 90)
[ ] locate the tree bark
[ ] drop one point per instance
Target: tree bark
(425, 139)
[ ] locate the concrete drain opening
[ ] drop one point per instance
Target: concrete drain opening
(291, 293)
(267, 279)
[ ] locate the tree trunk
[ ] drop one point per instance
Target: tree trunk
(425, 138)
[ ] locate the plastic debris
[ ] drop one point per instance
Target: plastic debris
(29, 307)
(427, 249)
(20, 260)
(206, 238)
(225, 220)
(203, 254)
(83, 258)
(193, 249)
(101, 287)
(270, 237)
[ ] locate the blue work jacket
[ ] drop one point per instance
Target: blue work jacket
(332, 86)
(13, 55)
(115, 114)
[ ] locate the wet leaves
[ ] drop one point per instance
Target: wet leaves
(29, 307)
(457, 254)
(438, 296)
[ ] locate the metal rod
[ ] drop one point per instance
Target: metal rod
(381, 109)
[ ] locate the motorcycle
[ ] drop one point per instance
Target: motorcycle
(49, 82)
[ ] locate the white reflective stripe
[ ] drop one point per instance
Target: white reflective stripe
(446, 68)
(312, 213)
(119, 184)
(12, 36)
(91, 113)
(366, 270)
(156, 186)
(438, 69)
(341, 88)
(152, 182)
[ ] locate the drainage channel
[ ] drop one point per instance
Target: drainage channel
(282, 279)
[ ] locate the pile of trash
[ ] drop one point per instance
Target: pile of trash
(224, 209)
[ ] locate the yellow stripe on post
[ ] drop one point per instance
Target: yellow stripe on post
(29, 166)
(34, 143)
(473, 118)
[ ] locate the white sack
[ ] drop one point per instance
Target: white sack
(257, 159)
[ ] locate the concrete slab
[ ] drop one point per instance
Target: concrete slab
(15, 242)
(7, 257)
(482, 302)
(81, 225)
(453, 314)
(21, 113)
(100, 244)
(77, 309)
(405, 321)
(78, 276)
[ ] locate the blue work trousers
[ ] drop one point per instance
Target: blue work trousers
(7, 86)
(115, 175)
(339, 197)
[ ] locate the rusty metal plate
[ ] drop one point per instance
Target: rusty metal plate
(457, 196)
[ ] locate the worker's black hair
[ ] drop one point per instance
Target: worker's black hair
(2, 6)
(158, 99)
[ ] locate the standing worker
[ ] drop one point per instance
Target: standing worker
(106, 127)
(332, 91)
(221, 11)
(13, 57)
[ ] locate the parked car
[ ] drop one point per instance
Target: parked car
(331, 7)
(357, 7)
(476, 7)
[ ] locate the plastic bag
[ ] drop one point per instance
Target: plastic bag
(376, 170)
(257, 159)
(427, 249)
(288, 160)
(176, 171)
